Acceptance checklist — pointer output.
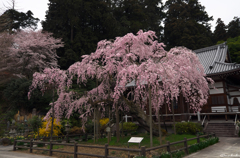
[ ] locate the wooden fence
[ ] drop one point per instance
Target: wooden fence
(106, 148)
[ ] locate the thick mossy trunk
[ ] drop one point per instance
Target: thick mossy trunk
(138, 114)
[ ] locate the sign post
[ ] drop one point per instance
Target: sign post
(135, 140)
(108, 130)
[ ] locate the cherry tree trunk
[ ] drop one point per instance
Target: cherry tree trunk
(174, 128)
(144, 121)
(52, 115)
(117, 124)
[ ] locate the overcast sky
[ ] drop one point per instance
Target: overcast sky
(223, 9)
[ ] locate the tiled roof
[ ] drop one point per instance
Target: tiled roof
(213, 59)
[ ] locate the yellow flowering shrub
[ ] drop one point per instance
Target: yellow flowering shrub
(47, 132)
(104, 121)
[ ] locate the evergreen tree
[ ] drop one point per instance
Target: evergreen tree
(133, 15)
(155, 15)
(11, 20)
(234, 27)
(186, 24)
(81, 24)
(16, 91)
(220, 32)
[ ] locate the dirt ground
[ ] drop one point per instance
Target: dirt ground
(97, 151)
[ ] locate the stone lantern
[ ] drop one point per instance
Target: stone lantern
(67, 127)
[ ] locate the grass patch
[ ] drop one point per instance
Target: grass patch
(146, 141)
(55, 146)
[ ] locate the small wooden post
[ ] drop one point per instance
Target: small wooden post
(226, 117)
(106, 150)
(198, 139)
(50, 148)
(67, 141)
(143, 151)
(75, 150)
(14, 145)
(168, 148)
(186, 146)
(31, 145)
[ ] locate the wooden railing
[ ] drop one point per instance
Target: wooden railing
(106, 148)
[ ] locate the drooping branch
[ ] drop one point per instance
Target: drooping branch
(113, 64)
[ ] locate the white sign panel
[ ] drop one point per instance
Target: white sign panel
(108, 129)
(135, 140)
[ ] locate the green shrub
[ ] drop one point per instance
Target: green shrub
(20, 143)
(166, 155)
(85, 137)
(134, 133)
(40, 145)
(193, 148)
(188, 128)
(178, 154)
(129, 126)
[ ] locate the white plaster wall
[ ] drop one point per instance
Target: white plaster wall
(234, 93)
(218, 84)
(231, 100)
(216, 91)
(231, 88)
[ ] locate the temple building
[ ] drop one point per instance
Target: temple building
(223, 101)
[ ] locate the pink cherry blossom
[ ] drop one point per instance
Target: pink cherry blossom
(137, 58)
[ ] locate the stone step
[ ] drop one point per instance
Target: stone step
(221, 125)
(216, 131)
(221, 129)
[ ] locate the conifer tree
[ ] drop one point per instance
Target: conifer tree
(81, 24)
(234, 27)
(220, 32)
(186, 24)
(12, 19)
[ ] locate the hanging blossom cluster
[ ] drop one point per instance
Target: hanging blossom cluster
(51, 78)
(137, 58)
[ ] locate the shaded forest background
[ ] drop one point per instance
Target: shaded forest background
(82, 23)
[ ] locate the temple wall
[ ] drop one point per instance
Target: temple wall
(231, 100)
(216, 91)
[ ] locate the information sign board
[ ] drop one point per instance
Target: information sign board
(135, 140)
